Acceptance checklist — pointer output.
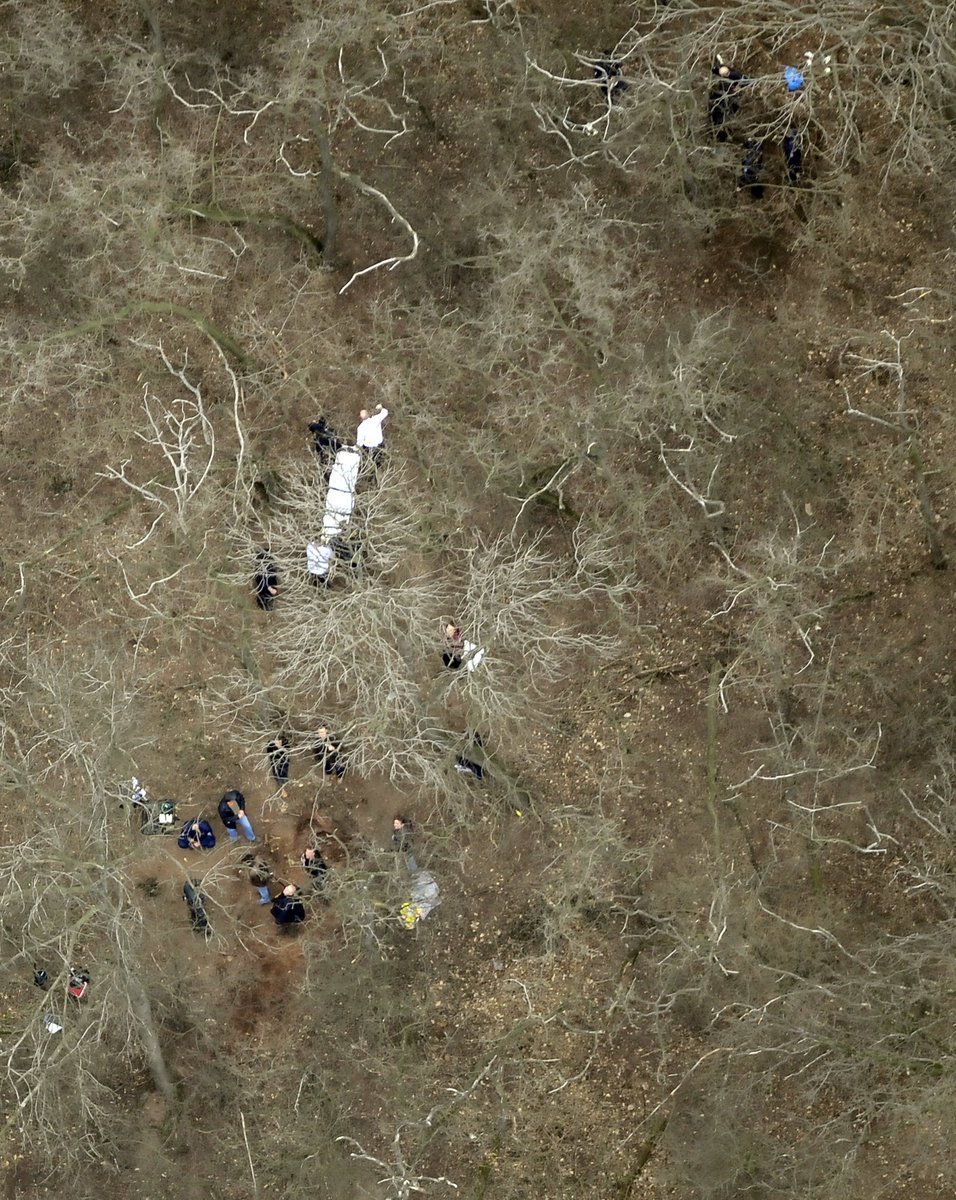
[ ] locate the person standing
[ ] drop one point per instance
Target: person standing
(751, 169)
(325, 441)
(402, 833)
(232, 812)
(370, 435)
(327, 753)
(724, 101)
(318, 561)
(454, 647)
(278, 754)
(793, 154)
(314, 866)
(403, 839)
(259, 874)
(265, 582)
(287, 908)
(608, 71)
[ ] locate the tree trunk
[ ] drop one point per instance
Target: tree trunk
(143, 1011)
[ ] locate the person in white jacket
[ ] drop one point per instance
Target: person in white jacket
(370, 435)
(318, 560)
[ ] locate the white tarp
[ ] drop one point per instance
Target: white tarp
(340, 498)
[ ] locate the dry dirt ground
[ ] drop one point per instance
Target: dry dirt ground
(483, 961)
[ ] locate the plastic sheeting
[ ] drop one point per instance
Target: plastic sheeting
(340, 498)
(425, 897)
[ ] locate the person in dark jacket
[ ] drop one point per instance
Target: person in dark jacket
(287, 908)
(259, 874)
(197, 835)
(465, 766)
(608, 70)
(724, 103)
(232, 812)
(403, 839)
(196, 904)
(327, 753)
(454, 646)
(403, 831)
(325, 442)
(350, 554)
(314, 866)
(793, 155)
(751, 169)
(265, 582)
(278, 754)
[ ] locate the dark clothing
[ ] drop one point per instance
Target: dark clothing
(403, 842)
(264, 579)
(327, 755)
(260, 873)
(723, 98)
(351, 554)
(608, 70)
(325, 441)
(403, 837)
(464, 766)
(278, 761)
(287, 910)
(793, 154)
(751, 169)
(456, 645)
(202, 829)
(315, 868)
(229, 808)
(194, 899)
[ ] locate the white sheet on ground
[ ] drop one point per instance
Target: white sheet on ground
(340, 498)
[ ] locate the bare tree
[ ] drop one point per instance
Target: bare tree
(363, 653)
(67, 904)
(903, 422)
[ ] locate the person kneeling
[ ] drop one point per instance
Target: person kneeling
(196, 835)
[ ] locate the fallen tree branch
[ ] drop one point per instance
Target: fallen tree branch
(396, 259)
(260, 220)
(226, 343)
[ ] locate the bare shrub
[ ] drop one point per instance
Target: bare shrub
(878, 77)
(363, 654)
(45, 50)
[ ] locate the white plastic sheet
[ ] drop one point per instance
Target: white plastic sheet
(340, 498)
